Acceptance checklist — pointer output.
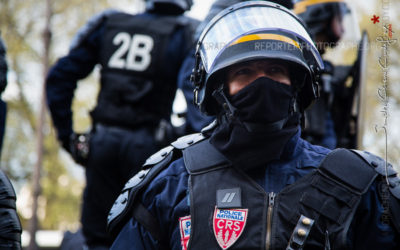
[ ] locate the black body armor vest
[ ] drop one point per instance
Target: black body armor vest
(315, 212)
(321, 204)
(138, 75)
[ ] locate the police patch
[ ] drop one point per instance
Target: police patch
(184, 228)
(228, 225)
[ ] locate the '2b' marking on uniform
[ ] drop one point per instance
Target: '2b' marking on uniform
(138, 48)
(184, 227)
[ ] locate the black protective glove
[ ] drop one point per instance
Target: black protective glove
(78, 147)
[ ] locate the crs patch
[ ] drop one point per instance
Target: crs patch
(228, 225)
(185, 224)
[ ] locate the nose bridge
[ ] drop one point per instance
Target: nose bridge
(261, 72)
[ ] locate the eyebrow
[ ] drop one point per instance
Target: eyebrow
(255, 63)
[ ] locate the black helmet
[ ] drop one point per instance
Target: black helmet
(179, 6)
(249, 31)
(317, 13)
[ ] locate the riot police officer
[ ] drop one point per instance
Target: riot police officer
(324, 20)
(195, 120)
(248, 181)
(140, 56)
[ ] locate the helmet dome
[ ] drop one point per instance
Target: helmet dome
(254, 30)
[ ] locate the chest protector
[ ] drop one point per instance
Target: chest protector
(315, 212)
(230, 210)
(138, 75)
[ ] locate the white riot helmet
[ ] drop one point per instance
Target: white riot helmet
(249, 31)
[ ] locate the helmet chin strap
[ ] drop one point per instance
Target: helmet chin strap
(230, 113)
(229, 110)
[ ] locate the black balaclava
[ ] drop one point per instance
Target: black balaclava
(262, 122)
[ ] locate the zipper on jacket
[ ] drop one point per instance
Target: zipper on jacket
(271, 200)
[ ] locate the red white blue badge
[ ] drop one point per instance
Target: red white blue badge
(185, 225)
(228, 225)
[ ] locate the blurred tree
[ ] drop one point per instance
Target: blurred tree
(22, 23)
(375, 141)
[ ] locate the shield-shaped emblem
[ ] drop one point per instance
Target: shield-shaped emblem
(184, 227)
(228, 225)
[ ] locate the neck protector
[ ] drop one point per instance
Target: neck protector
(261, 125)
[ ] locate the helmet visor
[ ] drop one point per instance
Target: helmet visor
(245, 18)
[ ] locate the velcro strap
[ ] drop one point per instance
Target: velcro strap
(322, 207)
(340, 193)
(349, 169)
(147, 220)
(300, 233)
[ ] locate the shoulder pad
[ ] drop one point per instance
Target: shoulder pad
(349, 169)
(377, 162)
(158, 157)
(188, 140)
(384, 169)
(209, 127)
(180, 143)
(120, 211)
(194, 159)
(92, 24)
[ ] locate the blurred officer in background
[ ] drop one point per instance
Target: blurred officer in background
(195, 120)
(325, 23)
(248, 181)
(140, 56)
(10, 226)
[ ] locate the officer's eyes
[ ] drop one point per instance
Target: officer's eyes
(243, 71)
(276, 69)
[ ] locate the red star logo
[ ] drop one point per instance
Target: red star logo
(375, 19)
